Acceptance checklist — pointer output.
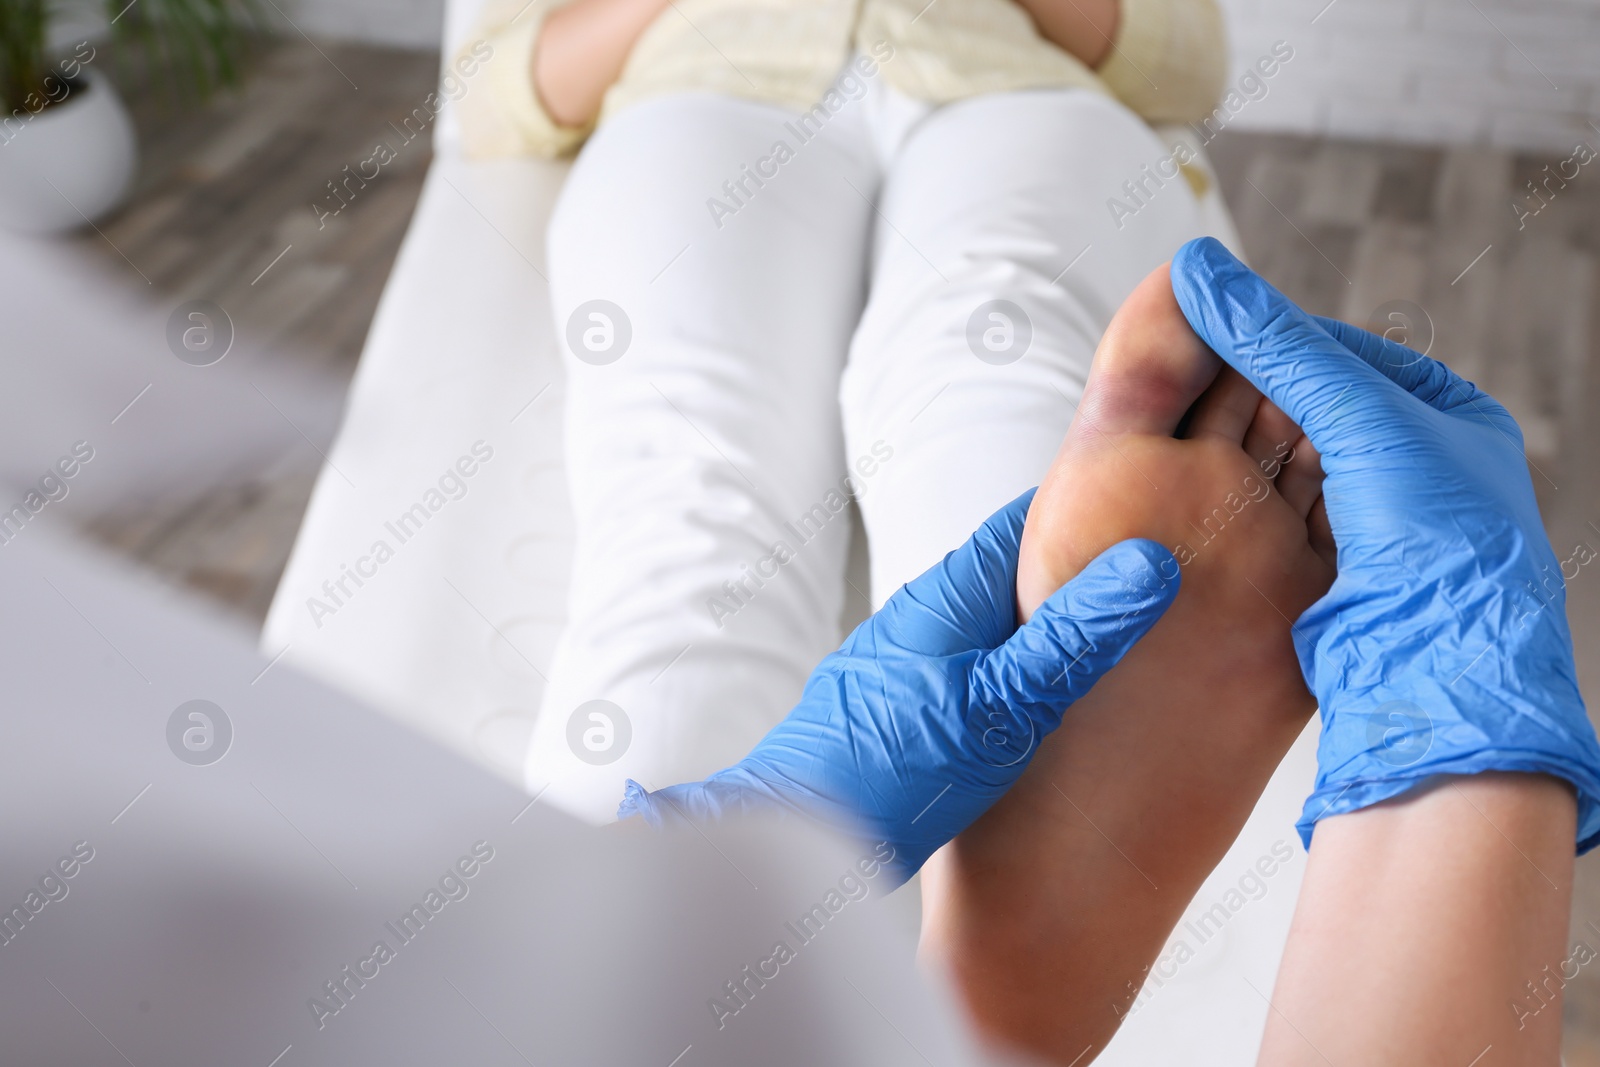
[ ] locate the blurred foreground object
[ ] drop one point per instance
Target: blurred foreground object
(205, 857)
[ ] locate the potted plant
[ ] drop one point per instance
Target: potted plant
(67, 149)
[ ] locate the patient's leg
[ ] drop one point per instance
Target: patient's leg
(704, 457)
(1049, 909)
(996, 269)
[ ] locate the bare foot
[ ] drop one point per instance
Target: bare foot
(1049, 910)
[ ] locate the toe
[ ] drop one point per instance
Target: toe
(1272, 438)
(1226, 410)
(1300, 480)
(1320, 533)
(1150, 366)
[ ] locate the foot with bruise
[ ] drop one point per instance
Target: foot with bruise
(1049, 910)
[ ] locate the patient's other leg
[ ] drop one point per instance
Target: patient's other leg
(704, 462)
(997, 267)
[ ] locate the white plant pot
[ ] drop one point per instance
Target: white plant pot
(69, 163)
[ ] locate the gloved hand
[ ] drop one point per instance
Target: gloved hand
(934, 706)
(1442, 647)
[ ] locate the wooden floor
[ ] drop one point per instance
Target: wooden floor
(222, 193)
(1346, 229)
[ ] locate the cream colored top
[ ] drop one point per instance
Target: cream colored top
(1167, 63)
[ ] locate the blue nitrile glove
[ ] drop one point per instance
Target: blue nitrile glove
(1442, 647)
(934, 706)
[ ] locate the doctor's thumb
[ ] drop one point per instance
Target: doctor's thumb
(1081, 631)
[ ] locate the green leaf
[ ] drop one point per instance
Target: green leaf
(190, 48)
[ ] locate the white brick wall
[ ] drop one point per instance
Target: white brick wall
(1514, 73)
(400, 23)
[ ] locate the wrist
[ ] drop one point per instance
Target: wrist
(1386, 883)
(1085, 29)
(581, 51)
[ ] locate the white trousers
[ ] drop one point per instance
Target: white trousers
(766, 315)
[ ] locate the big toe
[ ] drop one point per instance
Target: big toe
(1150, 366)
